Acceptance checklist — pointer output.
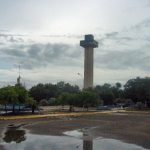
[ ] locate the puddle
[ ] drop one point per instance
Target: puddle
(89, 143)
(19, 139)
(74, 133)
(38, 142)
(112, 144)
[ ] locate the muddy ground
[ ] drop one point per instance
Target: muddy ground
(129, 127)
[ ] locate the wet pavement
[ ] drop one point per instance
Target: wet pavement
(16, 138)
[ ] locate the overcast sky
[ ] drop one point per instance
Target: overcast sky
(43, 36)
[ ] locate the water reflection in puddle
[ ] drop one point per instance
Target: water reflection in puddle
(16, 139)
(89, 143)
(38, 142)
(13, 135)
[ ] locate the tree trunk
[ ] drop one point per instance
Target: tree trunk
(71, 108)
(87, 108)
(5, 108)
(33, 108)
(13, 109)
(19, 107)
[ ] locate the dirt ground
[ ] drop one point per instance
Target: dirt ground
(133, 127)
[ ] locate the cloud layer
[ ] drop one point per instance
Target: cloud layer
(119, 50)
(40, 55)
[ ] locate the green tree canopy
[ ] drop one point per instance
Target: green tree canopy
(13, 95)
(48, 91)
(8, 95)
(82, 99)
(22, 94)
(106, 94)
(88, 98)
(138, 90)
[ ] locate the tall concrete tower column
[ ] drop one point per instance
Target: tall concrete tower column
(89, 44)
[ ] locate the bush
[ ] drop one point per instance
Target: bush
(52, 101)
(44, 102)
(139, 105)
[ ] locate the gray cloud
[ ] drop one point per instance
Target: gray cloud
(13, 52)
(12, 38)
(10, 35)
(1, 43)
(111, 54)
(144, 24)
(111, 35)
(78, 36)
(138, 33)
(116, 36)
(136, 59)
(3, 30)
(3, 34)
(40, 55)
(148, 3)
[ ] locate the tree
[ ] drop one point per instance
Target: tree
(106, 93)
(48, 91)
(37, 92)
(67, 88)
(32, 103)
(43, 102)
(67, 99)
(118, 85)
(8, 95)
(138, 90)
(82, 99)
(13, 95)
(2, 98)
(117, 91)
(51, 91)
(63, 99)
(22, 94)
(88, 99)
